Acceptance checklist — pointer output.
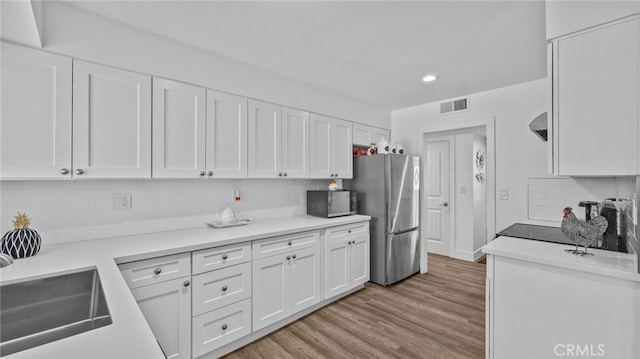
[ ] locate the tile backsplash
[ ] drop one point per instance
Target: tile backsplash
(548, 196)
(68, 211)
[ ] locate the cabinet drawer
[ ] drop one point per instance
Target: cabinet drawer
(283, 244)
(220, 257)
(222, 326)
(213, 290)
(156, 270)
(347, 230)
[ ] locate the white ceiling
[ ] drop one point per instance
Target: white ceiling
(377, 51)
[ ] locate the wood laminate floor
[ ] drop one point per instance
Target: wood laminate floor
(439, 314)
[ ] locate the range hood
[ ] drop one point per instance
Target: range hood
(539, 126)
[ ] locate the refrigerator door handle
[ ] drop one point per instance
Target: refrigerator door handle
(404, 231)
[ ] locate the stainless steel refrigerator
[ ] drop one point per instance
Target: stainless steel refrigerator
(387, 187)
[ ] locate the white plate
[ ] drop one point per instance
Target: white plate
(236, 222)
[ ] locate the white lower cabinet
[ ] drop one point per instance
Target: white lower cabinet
(222, 326)
(206, 303)
(346, 258)
(284, 284)
(167, 308)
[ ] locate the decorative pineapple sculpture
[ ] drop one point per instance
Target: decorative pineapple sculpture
(22, 241)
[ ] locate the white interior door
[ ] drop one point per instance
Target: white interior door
(437, 176)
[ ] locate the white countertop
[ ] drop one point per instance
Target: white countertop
(129, 335)
(606, 263)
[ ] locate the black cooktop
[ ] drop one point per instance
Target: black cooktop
(535, 232)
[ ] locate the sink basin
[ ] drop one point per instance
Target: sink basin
(43, 310)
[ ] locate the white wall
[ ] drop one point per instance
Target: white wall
(79, 34)
(463, 202)
(479, 197)
(76, 210)
(519, 153)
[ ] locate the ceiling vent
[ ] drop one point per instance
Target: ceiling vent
(454, 106)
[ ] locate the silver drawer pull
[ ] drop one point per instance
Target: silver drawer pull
(293, 256)
(186, 283)
(64, 171)
(157, 271)
(288, 258)
(224, 257)
(224, 327)
(224, 288)
(289, 243)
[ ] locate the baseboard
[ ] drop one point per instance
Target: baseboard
(468, 255)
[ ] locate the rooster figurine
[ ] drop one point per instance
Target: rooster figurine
(582, 233)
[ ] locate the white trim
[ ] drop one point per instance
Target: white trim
(467, 255)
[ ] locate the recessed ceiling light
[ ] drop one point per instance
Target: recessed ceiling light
(430, 78)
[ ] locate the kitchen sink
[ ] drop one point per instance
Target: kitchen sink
(39, 311)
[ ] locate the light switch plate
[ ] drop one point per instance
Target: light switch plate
(504, 194)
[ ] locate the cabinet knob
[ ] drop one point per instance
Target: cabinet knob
(293, 256)
(64, 171)
(157, 271)
(331, 175)
(224, 288)
(285, 174)
(224, 257)
(335, 175)
(210, 173)
(79, 171)
(349, 231)
(186, 283)
(224, 327)
(201, 173)
(280, 174)
(288, 258)
(289, 243)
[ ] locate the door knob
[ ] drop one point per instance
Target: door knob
(444, 204)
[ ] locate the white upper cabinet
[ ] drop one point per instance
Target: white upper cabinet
(565, 17)
(35, 130)
(330, 152)
(595, 101)
(364, 135)
(111, 122)
(379, 133)
(226, 136)
(265, 139)
(178, 130)
(295, 143)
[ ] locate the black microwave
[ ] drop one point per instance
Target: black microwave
(325, 203)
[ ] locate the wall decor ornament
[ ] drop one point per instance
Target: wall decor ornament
(480, 159)
(22, 241)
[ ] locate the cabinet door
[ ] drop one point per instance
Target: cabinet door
(305, 278)
(167, 309)
(342, 147)
(111, 122)
(265, 140)
(320, 157)
(362, 135)
(226, 135)
(35, 131)
(295, 143)
(337, 264)
(270, 283)
(178, 130)
(359, 256)
(596, 101)
(378, 134)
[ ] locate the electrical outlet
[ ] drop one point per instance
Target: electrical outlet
(504, 194)
(121, 201)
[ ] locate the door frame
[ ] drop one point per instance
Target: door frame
(432, 129)
(452, 173)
